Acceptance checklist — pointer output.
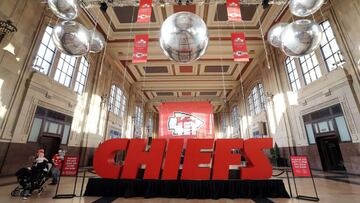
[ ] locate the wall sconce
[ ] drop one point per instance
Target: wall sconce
(5, 28)
(269, 95)
(104, 99)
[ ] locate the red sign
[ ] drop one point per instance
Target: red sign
(300, 166)
(233, 10)
(144, 13)
(240, 52)
(186, 120)
(70, 166)
(140, 48)
(204, 158)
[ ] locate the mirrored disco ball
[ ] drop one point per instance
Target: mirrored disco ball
(97, 42)
(65, 9)
(184, 37)
(303, 8)
(71, 38)
(300, 38)
(274, 34)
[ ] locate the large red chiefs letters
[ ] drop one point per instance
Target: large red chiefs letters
(202, 156)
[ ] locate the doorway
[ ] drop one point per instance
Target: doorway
(50, 144)
(330, 153)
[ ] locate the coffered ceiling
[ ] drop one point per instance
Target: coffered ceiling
(212, 78)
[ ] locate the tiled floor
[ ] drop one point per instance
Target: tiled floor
(331, 188)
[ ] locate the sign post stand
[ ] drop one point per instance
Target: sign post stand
(300, 168)
(69, 168)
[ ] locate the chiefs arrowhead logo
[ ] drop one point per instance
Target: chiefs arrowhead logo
(184, 124)
(239, 40)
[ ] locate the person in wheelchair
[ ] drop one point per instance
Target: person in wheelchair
(32, 178)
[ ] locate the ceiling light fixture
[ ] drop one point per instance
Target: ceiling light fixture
(5, 28)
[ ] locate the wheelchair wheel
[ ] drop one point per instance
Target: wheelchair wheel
(41, 189)
(15, 192)
(25, 193)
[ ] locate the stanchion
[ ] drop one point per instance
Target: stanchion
(286, 171)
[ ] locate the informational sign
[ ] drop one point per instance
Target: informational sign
(115, 133)
(140, 48)
(186, 120)
(144, 13)
(240, 51)
(300, 166)
(233, 10)
(70, 166)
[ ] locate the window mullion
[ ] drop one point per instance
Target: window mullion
(321, 59)
(300, 72)
(75, 73)
(54, 64)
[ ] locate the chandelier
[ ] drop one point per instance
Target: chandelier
(5, 28)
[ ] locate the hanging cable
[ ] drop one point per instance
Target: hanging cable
(221, 60)
(127, 55)
(264, 44)
(144, 81)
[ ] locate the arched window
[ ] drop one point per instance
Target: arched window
(139, 121)
(117, 101)
(256, 99)
(223, 124)
(45, 54)
(66, 68)
(235, 121)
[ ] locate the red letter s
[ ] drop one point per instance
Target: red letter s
(258, 166)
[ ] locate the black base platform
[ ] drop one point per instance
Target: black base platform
(209, 189)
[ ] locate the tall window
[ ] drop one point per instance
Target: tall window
(223, 124)
(309, 64)
(65, 69)
(82, 76)
(66, 66)
(235, 121)
(310, 67)
(117, 101)
(149, 127)
(45, 55)
(329, 47)
(256, 99)
(292, 73)
(139, 121)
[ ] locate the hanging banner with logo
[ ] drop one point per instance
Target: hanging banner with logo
(70, 166)
(144, 13)
(300, 166)
(233, 10)
(240, 52)
(186, 120)
(140, 48)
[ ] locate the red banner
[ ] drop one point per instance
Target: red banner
(186, 120)
(144, 13)
(70, 166)
(300, 166)
(233, 10)
(141, 43)
(240, 52)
